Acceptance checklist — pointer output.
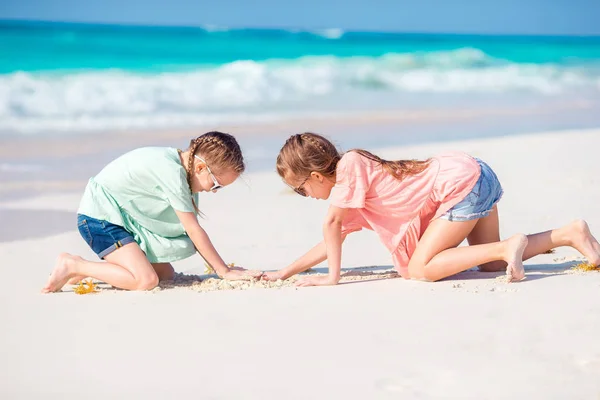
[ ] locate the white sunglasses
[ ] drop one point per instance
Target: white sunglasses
(216, 184)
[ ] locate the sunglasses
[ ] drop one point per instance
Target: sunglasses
(300, 190)
(216, 185)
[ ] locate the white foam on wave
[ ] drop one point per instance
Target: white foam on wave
(214, 28)
(330, 33)
(250, 90)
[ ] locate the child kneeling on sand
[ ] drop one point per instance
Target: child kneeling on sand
(138, 214)
(421, 210)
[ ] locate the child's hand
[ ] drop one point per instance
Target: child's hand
(272, 276)
(240, 274)
(323, 280)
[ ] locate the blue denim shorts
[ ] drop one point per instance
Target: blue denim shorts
(102, 236)
(482, 198)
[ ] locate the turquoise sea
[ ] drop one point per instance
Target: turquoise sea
(80, 78)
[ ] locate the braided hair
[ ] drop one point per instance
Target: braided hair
(221, 152)
(307, 152)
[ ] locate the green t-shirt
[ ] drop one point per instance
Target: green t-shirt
(140, 191)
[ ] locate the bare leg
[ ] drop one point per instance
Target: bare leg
(164, 271)
(437, 257)
(487, 230)
(575, 234)
(125, 268)
(76, 279)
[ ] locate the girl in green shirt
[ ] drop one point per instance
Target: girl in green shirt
(139, 214)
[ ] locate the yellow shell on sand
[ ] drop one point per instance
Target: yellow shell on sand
(85, 287)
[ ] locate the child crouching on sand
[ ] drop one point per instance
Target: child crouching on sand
(421, 210)
(138, 214)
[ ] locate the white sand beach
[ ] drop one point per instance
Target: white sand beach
(373, 337)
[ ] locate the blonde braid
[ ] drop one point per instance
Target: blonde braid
(312, 141)
(194, 143)
(221, 152)
(212, 140)
(304, 153)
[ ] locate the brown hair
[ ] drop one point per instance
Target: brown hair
(307, 152)
(221, 152)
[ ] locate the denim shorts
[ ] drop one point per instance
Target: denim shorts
(102, 236)
(480, 201)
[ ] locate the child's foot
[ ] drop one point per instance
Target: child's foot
(63, 270)
(76, 279)
(582, 239)
(515, 246)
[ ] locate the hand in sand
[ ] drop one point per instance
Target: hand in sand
(323, 280)
(272, 276)
(240, 274)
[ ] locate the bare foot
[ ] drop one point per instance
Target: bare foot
(578, 233)
(515, 246)
(63, 270)
(76, 279)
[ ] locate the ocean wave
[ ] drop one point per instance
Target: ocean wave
(330, 33)
(327, 33)
(245, 90)
(215, 28)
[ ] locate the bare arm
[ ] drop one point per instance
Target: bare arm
(332, 246)
(206, 248)
(332, 231)
(313, 257)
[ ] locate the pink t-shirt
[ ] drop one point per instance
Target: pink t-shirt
(399, 211)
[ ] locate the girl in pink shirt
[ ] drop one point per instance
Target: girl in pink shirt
(421, 210)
